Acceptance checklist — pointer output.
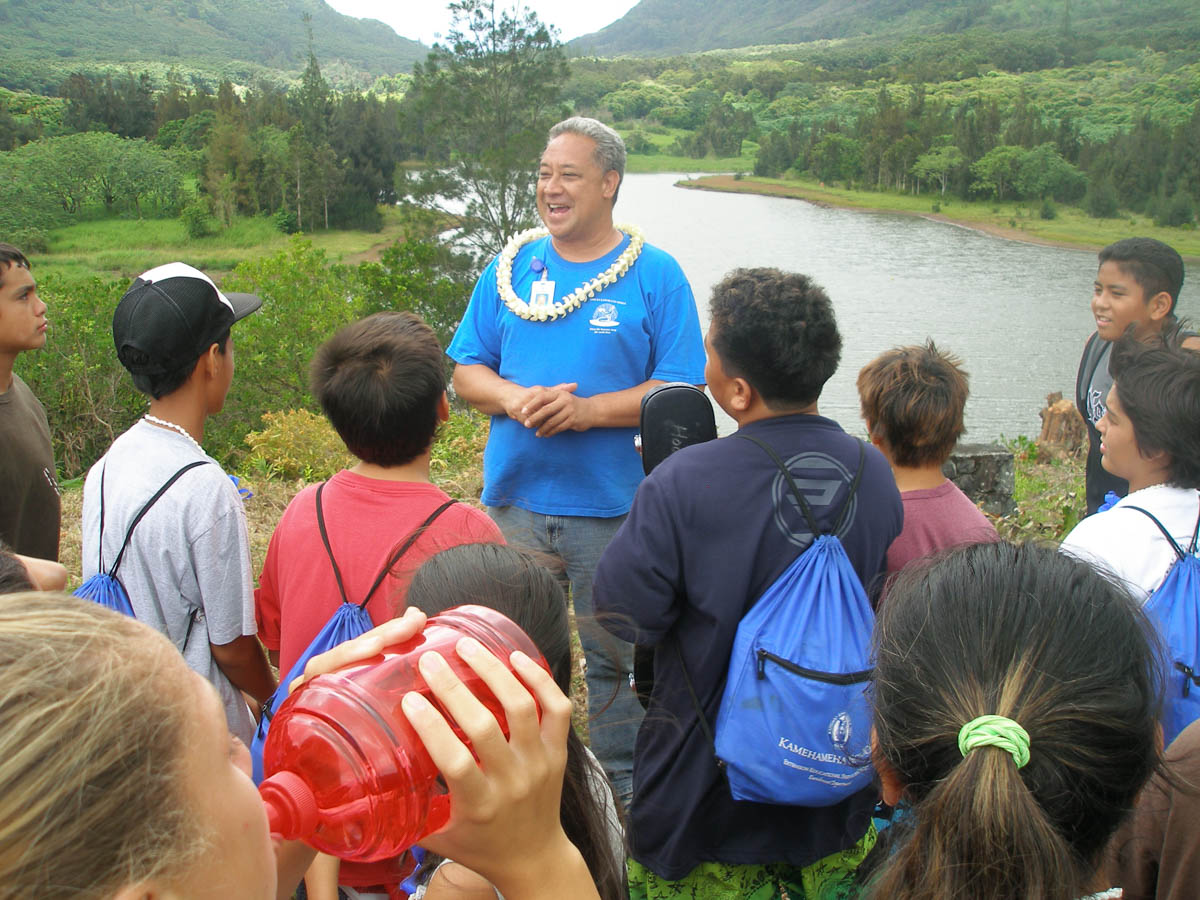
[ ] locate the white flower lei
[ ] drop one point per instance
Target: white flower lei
(577, 297)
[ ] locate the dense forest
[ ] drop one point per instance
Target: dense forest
(1034, 115)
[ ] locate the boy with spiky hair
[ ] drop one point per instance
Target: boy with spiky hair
(710, 529)
(1150, 438)
(1136, 288)
(29, 500)
(187, 567)
(913, 400)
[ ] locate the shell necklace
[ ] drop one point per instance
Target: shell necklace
(177, 428)
(577, 297)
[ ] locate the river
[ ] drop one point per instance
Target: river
(1017, 314)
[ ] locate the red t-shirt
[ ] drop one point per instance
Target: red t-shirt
(366, 519)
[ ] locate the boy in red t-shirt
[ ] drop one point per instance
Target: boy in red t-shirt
(382, 384)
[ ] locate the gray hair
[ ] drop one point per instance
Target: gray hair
(610, 149)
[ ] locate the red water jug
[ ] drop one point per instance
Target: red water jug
(346, 772)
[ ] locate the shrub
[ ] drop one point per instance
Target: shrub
(297, 444)
(31, 240)
(456, 463)
(1048, 210)
(197, 221)
(285, 221)
(1179, 210)
(637, 142)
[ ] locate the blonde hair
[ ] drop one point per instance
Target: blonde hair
(91, 744)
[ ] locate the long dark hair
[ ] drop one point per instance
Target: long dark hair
(1024, 632)
(515, 584)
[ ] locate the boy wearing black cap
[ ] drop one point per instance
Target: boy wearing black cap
(1136, 287)
(187, 568)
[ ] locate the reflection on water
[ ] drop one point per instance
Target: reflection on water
(1016, 313)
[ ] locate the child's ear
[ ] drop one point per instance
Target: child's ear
(443, 408)
(212, 360)
(891, 788)
(742, 397)
(875, 439)
(1159, 306)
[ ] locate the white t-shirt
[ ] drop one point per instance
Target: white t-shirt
(1126, 543)
(188, 565)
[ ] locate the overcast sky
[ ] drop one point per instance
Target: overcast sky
(424, 20)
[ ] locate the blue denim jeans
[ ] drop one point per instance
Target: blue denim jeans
(614, 713)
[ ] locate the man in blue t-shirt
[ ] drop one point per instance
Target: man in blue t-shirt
(566, 331)
(711, 528)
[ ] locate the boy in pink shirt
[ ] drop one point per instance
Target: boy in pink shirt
(912, 401)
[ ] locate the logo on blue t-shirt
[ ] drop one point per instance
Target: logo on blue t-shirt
(605, 316)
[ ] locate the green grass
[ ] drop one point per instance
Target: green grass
(121, 248)
(1015, 219)
(665, 162)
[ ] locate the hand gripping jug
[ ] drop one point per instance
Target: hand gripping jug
(346, 773)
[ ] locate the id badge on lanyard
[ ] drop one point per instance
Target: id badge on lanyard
(541, 293)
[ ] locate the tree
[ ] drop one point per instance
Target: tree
(1044, 173)
(997, 169)
(937, 164)
(1101, 201)
(484, 104)
(837, 156)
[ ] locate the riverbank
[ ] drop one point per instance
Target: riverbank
(1071, 228)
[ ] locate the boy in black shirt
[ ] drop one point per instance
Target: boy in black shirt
(1137, 285)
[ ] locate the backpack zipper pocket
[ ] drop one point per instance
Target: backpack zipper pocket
(827, 677)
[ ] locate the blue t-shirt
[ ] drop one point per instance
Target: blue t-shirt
(711, 528)
(643, 327)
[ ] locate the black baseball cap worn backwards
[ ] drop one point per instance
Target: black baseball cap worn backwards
(171, 315)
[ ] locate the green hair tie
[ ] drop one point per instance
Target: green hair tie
(995, 731)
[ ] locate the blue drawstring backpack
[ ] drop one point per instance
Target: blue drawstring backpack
(1175, 608)
(105, 587)
(794, 726)
(348, 621)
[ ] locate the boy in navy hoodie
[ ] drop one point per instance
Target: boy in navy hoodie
(710, 529)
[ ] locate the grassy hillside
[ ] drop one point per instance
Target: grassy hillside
(40, 39)
(662, 27)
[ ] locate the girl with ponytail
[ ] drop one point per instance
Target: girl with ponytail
(1015, 716)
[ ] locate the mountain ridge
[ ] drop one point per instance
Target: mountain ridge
(668, 27)
(217, 35)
